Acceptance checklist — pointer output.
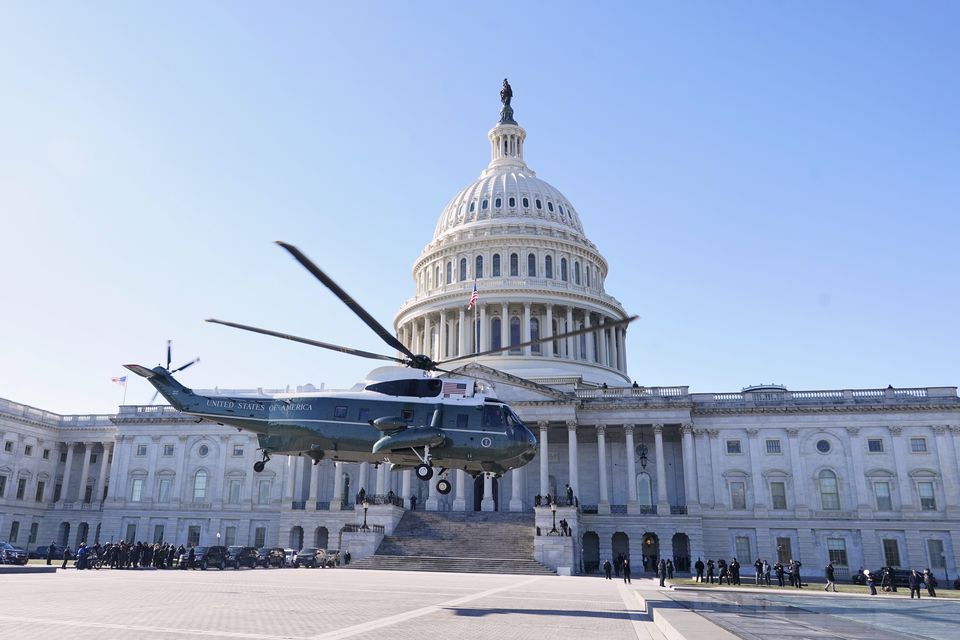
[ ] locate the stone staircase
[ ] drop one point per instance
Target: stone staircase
(459, 542)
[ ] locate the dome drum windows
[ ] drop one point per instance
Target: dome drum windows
(496, 265)
(539, 204)
(463, 269)
(514, 265)
(576, 272)
(478, 270)
(483, 204)
(563, 269)
(526, 203)
(549, 206)
(532, 265)
(512, 202)
(473, 206)
(497, 203)
(548, 267)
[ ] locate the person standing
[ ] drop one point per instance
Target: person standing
(831, 581)
(413, 503)
(52, 549)
(569, 496)
(710, 570)
(914, 583)
(871, 583)
(758, 571)
(766, 572)
(722, 571)
(626, 570)
(698, 565)
(66, 556)
(778, 568)
(669, 569)
(662, 572)
(734, 572)
(931, 582)
(607, 568)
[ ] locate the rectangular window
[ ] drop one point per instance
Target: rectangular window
(34, 528)
(46, 454)
(938, 559)
(141, 449)
(200, 487)
(733, 447)
(837, 551)
(28, 450)
(363, 415)
(14, 530)
(773, 446)
(784, 550)
(131, 533)
(882, 491)
(57, 489)
(163, 492)
(928, 501)
(63, 457)
(88, 494)
(158, 533)
(93, 458)
(263, 492)
(193, 535)
(260, 537)
(40, 486)
(778, 495)
(340, 413)
(233, 493)
(136, 495)
(167, 450)
(875, 445)
(230, 536)
(8, 446)
(21, 488)
(238, 451)
(918, 445)
(891, 552)
(738, 496)
(3, 485)
(742, 547)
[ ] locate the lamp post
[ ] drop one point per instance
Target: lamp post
(553, 508)
(218, 538)
(366, 505)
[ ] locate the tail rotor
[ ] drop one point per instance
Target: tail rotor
(167, 368)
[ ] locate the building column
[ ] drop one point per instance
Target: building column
(460, 501)
(516, 488)
(572, 459)
(756, 485)
(947, 457)
(709, 458)
(462, 349)
(525, 329)
(907, 502)
(546, 348)
(364, 476)
(314, 486)
(433, 497)
(427, 342)
(588, 338)
(444, 351)
(291, 481)
(631, 467)
(602, 344)
(112, 475)
(544, 457)
(484, 329)
(67, 470)
(663, 507)
(98, 488)
(604, 506)
(622, 348)
(612, 345)
(571, 353)
(504, 325)
(796, 469)
(405, 487)
(336, 502)
(859, 483)
(85, 471)
(690, 467)
(382, 479)
(179, 482)
(487, 504)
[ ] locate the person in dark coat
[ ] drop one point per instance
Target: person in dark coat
(734, 572)
(607, 569)
(710, 571)
(778, 569)
(698, 565)
(931, 581)
(758, 570)
(569, 495)
(52, 549)
(669, 569)
(871, 583)
(626, 570)
(191, 557)
(831, 580)
(66, 556)
(413, 503)
(914, 583)
(795, 571)
(722, 571)
(662, 572)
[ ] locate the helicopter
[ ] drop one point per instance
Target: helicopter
(416, 416)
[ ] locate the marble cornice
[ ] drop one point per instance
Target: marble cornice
(914, 408)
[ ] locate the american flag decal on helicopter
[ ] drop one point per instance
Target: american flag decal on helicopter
(454, 389)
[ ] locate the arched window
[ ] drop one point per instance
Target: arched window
(473, 205)
(550, 206)
(535, 334)
(483, 205)
(576, 273)
(539, 204)
(495, 328)
(200, 486)
(463, 269)
(526, 203)
(548, 267)
(514, 333)
(512, 202)
(586, 270)
(563, 269)
(532, 265)
(497, 203)
(514, 264)
(449, 272)
(478, 271)
(583, 344)
(829, 491)
(436, 278)
(644, 489)
(496, 265)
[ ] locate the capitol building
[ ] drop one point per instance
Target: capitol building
(857, 477)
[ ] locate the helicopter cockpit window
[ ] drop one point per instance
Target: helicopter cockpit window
(416, 387)
(463, 420)
(406, 414)
(364, 415)
(494, 416)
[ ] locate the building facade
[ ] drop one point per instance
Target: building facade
(862, 478)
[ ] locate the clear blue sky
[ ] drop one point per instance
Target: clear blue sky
(776, 185)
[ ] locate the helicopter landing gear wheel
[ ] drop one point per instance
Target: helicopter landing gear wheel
(444, 487)
(258, 466)
(424, 471)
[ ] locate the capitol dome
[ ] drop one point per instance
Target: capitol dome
(521, 242)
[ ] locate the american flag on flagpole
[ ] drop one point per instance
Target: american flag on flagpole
(121, 380)
(473, 297)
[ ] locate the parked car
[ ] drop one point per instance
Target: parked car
(205, 557)
(12, 554)
(333, 558)
(289, 554)
(311, 557)
(884, 577)
(238, 556)
(41, 552)
(271, 557)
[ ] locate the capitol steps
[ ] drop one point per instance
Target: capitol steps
(459, 542)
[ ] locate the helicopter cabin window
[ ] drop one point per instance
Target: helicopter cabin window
(532, 265)
(478, 269)
(514, 264)
(363, 415)
(548, 267)
(463, 269)
(449, 272)
(493, 416)
(496, 265)
(463, 421)
(340, 412)
(416, 387)
(406, 414)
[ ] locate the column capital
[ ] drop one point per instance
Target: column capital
(658, 428)
(852, 431)
(792, 432)
(752, 433)
(954, 428)
(895, 429)
(713, 433)
(543, 424)
(601, 429)
(686, 429)
(940, 429)
(699, 433)
(629, 428)
(572, 425)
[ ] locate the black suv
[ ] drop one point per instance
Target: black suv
(310, 557)
(12, 554)
(241, 557)
(214, 556)
(885, 577)
(271, 557)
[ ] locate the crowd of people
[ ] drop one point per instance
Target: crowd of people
(722, 571)
(122, 555)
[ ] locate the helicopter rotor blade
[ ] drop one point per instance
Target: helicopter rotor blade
(168, 354)
(354, 306)
(559, 336)
(314, 343)
(189, 364)
(154, 398)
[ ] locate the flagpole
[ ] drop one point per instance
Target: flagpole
(124, 393)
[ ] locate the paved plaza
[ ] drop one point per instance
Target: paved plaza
(327, 604)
